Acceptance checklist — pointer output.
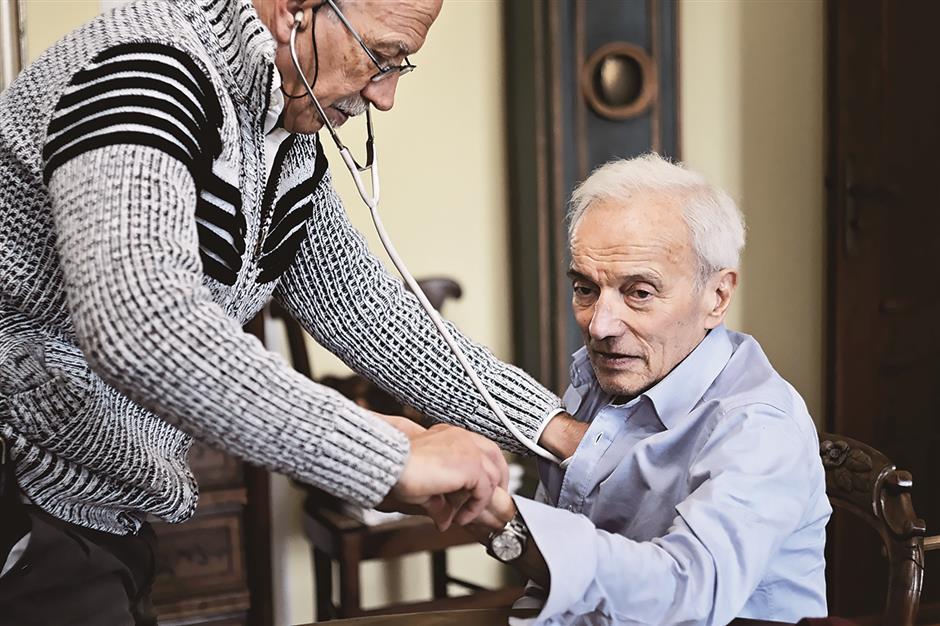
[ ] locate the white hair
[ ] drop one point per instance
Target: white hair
(714, 220)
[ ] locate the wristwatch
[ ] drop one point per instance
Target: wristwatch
(508, 544)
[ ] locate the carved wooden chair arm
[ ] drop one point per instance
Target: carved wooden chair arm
(896, 508)
(864, 482)
(931, 543)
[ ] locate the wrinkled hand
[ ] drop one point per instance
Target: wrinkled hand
(494, 518)
(409, 427)
(499, 512)
(449, 476)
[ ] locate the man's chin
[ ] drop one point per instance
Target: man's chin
(622, 385)
(306, 123)
(337, 118)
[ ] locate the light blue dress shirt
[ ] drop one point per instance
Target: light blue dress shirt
(699, 501)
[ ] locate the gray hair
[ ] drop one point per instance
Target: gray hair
(714, 220)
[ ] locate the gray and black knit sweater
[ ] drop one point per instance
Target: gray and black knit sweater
(139, 230)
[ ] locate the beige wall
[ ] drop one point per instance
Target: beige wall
(752, 121)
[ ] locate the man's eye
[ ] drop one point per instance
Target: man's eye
(642, 294)
(581, 290)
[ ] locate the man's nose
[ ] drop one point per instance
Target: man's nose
(606, 321)
(382, 93)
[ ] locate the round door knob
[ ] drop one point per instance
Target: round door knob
(618, 80)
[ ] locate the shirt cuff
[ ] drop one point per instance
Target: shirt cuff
(566, 541)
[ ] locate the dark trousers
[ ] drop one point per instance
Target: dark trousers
(75, 576)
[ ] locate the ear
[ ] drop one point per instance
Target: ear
(302, 5)
(278, 16)
(719, 291)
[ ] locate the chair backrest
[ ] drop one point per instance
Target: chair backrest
(864, 482)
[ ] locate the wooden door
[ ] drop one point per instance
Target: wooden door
(884, 261)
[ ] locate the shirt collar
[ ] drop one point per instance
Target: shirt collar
(272, 116)
(677, 394)
(581, 373)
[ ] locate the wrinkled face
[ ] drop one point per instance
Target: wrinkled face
(633, 276)
(392, 29)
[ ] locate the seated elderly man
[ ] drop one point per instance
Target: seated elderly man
(696, 494)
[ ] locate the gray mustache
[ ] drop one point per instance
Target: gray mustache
(352, 105)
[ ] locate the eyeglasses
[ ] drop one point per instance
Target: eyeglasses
(385, 71)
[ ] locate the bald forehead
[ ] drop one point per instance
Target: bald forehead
(420, 12)
(396, 25)
(643, 229)
(657, 215)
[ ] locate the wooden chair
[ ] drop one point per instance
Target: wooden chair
(864, 482)
(337, 536)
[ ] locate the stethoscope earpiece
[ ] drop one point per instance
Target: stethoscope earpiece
(299, 19)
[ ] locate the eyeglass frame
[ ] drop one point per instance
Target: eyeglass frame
(384, 71)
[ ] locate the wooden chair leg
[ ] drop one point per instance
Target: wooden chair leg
(350, 603)
(439, 573)
(323, 586)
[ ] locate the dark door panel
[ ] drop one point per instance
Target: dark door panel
(884, 264)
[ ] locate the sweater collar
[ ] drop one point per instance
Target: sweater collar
(243, 50)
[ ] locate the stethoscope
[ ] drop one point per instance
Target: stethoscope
(372, 201)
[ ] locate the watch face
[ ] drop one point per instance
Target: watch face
(506, 547)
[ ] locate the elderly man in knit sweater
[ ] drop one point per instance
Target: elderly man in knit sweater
(159, 182)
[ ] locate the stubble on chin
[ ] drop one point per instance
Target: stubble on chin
(619, 389)
(623, 384)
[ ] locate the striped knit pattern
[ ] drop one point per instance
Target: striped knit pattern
(286, 228)
(138, 232)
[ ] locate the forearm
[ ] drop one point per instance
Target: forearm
(562, 435)
(344, 297)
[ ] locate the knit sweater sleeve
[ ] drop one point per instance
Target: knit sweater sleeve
(123, 204)
(344, 297)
